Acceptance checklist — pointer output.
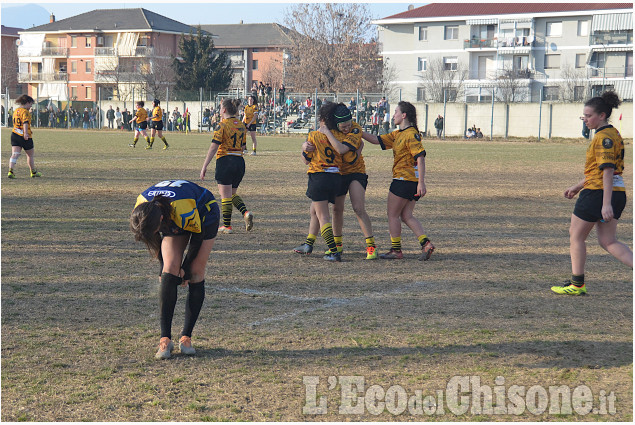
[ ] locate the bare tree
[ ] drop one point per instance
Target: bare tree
(9, 67)
(511, 85)
(573, 86)
(332, 48)
(272, 73)
(444, 80)
(117, 73)
(389, 75)
(157, 73)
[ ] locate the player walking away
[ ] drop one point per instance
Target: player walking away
(21, 136)
(345, 136)
(141, 118)
(602, 193)
(324, 184)
(156, 124)
(228, 145)
(408, 184)
(249, 119)
(166, 217)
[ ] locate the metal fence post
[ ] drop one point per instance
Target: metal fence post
(491, 125)
(445, 118)
(540, 113)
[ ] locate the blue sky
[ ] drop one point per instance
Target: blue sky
(25, 15)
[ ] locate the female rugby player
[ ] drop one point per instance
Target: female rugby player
(21, 136)
(156, 124)
(141, 118)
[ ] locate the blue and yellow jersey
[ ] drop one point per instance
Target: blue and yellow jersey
(193, 206)
(231, 137)
(157, 114)
(606, 150)
(141, 115)
(352, 162)
(406, 148)
(20, 117)
(324, 159)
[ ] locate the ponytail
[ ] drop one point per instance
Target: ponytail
(411, 113)
(605, 103)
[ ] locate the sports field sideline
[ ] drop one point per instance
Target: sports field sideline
(79, 297)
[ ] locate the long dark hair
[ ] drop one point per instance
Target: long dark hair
(146, 219)
(604, 103)
(326, 114)
(410, 111)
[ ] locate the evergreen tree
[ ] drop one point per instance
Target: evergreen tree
(200, 64)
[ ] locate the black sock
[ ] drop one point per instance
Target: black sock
(193, 306)
(167, 302)
(577, 280)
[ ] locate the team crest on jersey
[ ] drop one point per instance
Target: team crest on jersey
(417, 137)
(356, 131)
(607, 143)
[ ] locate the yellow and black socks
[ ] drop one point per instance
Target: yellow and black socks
(226, 209)
(164, 141)
(577, 281)
(327, 234)
(395, 243)
(134, 141)
(423, 239)
(239, 204)
(151, 141)
(310, 239)
(370, 242)
(148, 141)
(338, 242)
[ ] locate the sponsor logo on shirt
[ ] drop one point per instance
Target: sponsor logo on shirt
(166, 193)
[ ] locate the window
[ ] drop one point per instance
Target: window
(73, 92)
(423, 33)
(421, 94)
(74, 67)
(552, 61)
(89, 66)
(255, 50)
(521, 62)
(578, 93)
(452, 32)
(550, 93)
(88, 42)
(580, 60)
(422, 64)
(63, 67)
(450, 63)
(629, 64)
(73, 41)
(254, 64)
(554, 29)
(89, 93)
(450, 94)
(583, 28)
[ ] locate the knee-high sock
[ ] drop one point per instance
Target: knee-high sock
(327, 234)
(195, 297)
(226, 209)
(167, 302)
(239, 204)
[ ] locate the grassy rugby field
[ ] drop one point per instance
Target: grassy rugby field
(79, 297)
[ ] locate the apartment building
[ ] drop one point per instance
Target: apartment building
(258, 52)
(516, 52)
(102, 51)
(10, 62)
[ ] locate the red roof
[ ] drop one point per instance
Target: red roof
(438, 10)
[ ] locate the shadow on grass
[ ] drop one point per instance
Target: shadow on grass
(560, 354)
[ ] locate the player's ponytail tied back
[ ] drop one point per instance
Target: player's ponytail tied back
(605, 103)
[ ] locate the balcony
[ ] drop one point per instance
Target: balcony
(111, 76)
(113, 51)
(237, 63)
(31, 77)
(612, 38)
(479, 43)
(105, 51)
(55, 51)
(610, 72)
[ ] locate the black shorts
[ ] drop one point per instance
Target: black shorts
(323, 186)
(588, 207)
(230, 169)
(17, 140)
(251, 127)
(347, 179)
(156, 125)
(142, 125)
(404, 189)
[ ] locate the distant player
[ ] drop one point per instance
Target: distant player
(602, 193)
(141, 119)
(249, 119)
(156, 124)
(228, 145)
(166, 217)
(408, 183)
(323, 186)
(21, 136)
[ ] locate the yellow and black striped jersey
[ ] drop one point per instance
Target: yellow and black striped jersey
(324, 159)
(157, 114)
(606, 150)
(141, 115)
(250, 111)
(351, 161)
(406, 147)
(231, 137)
(20, 117)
